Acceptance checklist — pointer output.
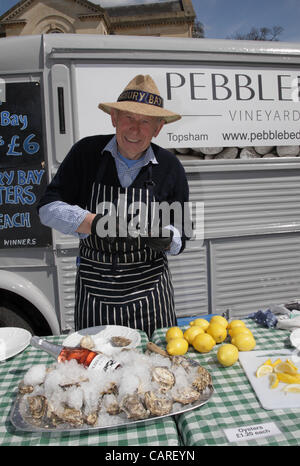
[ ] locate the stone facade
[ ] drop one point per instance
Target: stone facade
(173, 18)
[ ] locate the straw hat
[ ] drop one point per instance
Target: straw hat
(141, 96)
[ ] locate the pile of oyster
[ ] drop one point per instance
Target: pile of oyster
(146, 385)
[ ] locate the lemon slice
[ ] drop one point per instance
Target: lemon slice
(278, 361)
(292, 388)
(288, 378)
(286, 368)
(274, 381)
(268, 362)
(264, 369)
(292, 364)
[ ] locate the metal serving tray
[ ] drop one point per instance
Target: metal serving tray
(22, 421)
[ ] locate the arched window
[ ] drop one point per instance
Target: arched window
(54, 31)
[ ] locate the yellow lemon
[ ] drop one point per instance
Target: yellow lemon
(268, 362)
(292, 364)
(217, 331)
(274, 381)
(288, 378)
(292, 388)
(191, 332)
(203, 323)
(219, 320)
(278, 361)
(235, 330)
(174, 332)
(236, 323)
(264, 369)
(227, 355)
(177, 346)
(244, 342)
(286, 367)
(203, 342)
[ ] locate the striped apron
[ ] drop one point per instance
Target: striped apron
(123, 283)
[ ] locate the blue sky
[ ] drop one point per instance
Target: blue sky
(223, 18)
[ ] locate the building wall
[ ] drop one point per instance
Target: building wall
(69, 16)
(56, 15)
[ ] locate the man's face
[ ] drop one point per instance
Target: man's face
(134, 132)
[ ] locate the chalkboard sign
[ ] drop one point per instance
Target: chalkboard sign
(23, 177)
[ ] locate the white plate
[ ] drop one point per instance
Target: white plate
(295, 338)
(102, 335)
(269, 398)
(13, 340)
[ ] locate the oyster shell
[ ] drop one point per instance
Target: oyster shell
(164, 377)
(120, 341)
(157, 404)
(24, 389)
(91, 418)
(87, 342)
(37, 406)
(202, 380)
(71, 416)
(186, 395)
(111, 404)
(133, 406)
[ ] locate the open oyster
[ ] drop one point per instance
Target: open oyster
(158, 404)
(37, 406)
(120, 341)
(164, 377)
(133, 406)
(186, 395)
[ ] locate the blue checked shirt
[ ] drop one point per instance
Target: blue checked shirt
(66, 218)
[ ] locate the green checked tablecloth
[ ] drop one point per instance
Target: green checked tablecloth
(234, 403)
(160, 432)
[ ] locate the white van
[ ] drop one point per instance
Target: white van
(238, 140)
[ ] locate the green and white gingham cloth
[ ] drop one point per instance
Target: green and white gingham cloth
(153, 433)
(234, 403)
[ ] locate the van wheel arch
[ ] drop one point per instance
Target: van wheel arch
(16, 311)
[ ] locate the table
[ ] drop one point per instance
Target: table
(159, 432)
(233, 404)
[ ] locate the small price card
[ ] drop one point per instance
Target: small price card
(253, 432)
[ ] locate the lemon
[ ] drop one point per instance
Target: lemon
(203, 323)
(191, 332)
(276, 362)
(219, 320)
(264, 369)
(227, 354)
(268, 362)
(236, 323)
(292, 388)
(177, 346)
(286, 367)
(203, 342)
(235, 330)
(292, 364)
(244, 342)
(274, 381)
(174, 332)
(217, 331)
(288, 378)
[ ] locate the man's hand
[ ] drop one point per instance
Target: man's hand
(161, 242)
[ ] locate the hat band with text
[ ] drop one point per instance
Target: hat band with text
(142, 97)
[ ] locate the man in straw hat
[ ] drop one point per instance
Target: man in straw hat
(104, 185)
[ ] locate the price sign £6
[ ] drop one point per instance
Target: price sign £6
(23, 177)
